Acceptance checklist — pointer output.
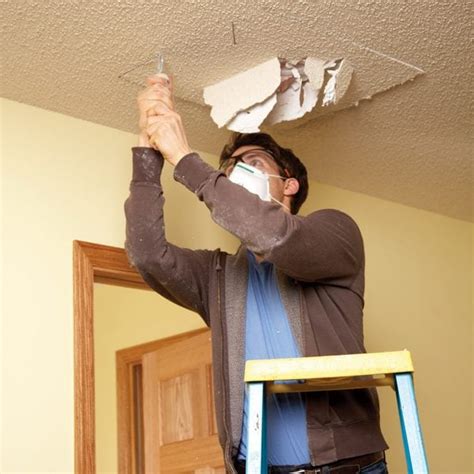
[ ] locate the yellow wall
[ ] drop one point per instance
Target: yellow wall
(63, 179)
(66, 179)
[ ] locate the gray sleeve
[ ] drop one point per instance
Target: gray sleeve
(179, 274)
(327, 244)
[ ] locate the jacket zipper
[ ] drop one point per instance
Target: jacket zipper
(227, 447)
(304, 317)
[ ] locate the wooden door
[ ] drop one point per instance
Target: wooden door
(180, 433)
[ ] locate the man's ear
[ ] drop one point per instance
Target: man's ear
(292, 186)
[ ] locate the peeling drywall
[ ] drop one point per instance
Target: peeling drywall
(282, 91)
(239, 93)
(276, 91)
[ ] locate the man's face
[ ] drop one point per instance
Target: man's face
(257, 157)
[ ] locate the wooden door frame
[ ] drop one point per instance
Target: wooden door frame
(101, 264)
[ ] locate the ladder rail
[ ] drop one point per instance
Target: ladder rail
(343, 372)
(410, 424)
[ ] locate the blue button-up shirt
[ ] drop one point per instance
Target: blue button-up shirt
(268, 335)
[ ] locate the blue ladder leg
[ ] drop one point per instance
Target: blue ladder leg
(256, 436)
(411, 430)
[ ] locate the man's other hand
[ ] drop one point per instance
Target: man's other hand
(160, 125)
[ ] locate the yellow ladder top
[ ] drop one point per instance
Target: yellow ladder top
(348, 365)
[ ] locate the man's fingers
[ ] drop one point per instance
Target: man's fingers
(163, 114)
(158, 121)
(152, 95)
(153, 106)
(160, 94)
(154, 109)
(159, 108)
(151, 109)
(161, 82)
(156, 101)
(148, 103)
(154, 92)
(153, 128)
(161, 78)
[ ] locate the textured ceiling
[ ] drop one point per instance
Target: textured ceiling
(409, 144)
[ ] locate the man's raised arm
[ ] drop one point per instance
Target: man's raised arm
(181, 275)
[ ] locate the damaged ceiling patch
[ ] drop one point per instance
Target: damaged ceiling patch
(286, 93)
(277, 91)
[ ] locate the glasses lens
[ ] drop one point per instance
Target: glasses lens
(258, 158)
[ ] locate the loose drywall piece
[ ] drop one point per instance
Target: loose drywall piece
(340, 75)
(249, 121)
(295, 96)
(276, 91)
(242, 91)
(314, 69)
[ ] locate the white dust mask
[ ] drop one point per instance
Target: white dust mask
(254, 181)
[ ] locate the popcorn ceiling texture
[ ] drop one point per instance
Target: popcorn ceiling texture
(410, 144)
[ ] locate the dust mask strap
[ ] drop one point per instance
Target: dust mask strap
(271, 197)
(281, 204)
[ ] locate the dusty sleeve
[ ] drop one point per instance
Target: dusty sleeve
(179, 274)
(324, 245)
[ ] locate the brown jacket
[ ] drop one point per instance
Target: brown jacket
(320, 265)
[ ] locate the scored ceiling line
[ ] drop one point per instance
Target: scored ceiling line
(388, 57)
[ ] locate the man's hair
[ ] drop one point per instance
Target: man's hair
(284, 158)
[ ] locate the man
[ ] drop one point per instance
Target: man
(294, 288)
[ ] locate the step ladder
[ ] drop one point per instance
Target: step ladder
(341, 372)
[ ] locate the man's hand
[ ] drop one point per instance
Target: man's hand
(146, 101)
(160, 125)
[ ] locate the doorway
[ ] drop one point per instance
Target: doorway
(104, 266)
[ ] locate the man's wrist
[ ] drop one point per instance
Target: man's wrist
(143, 140)
(178, 156)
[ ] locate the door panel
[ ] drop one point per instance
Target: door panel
(177, 412)
(179, 423)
